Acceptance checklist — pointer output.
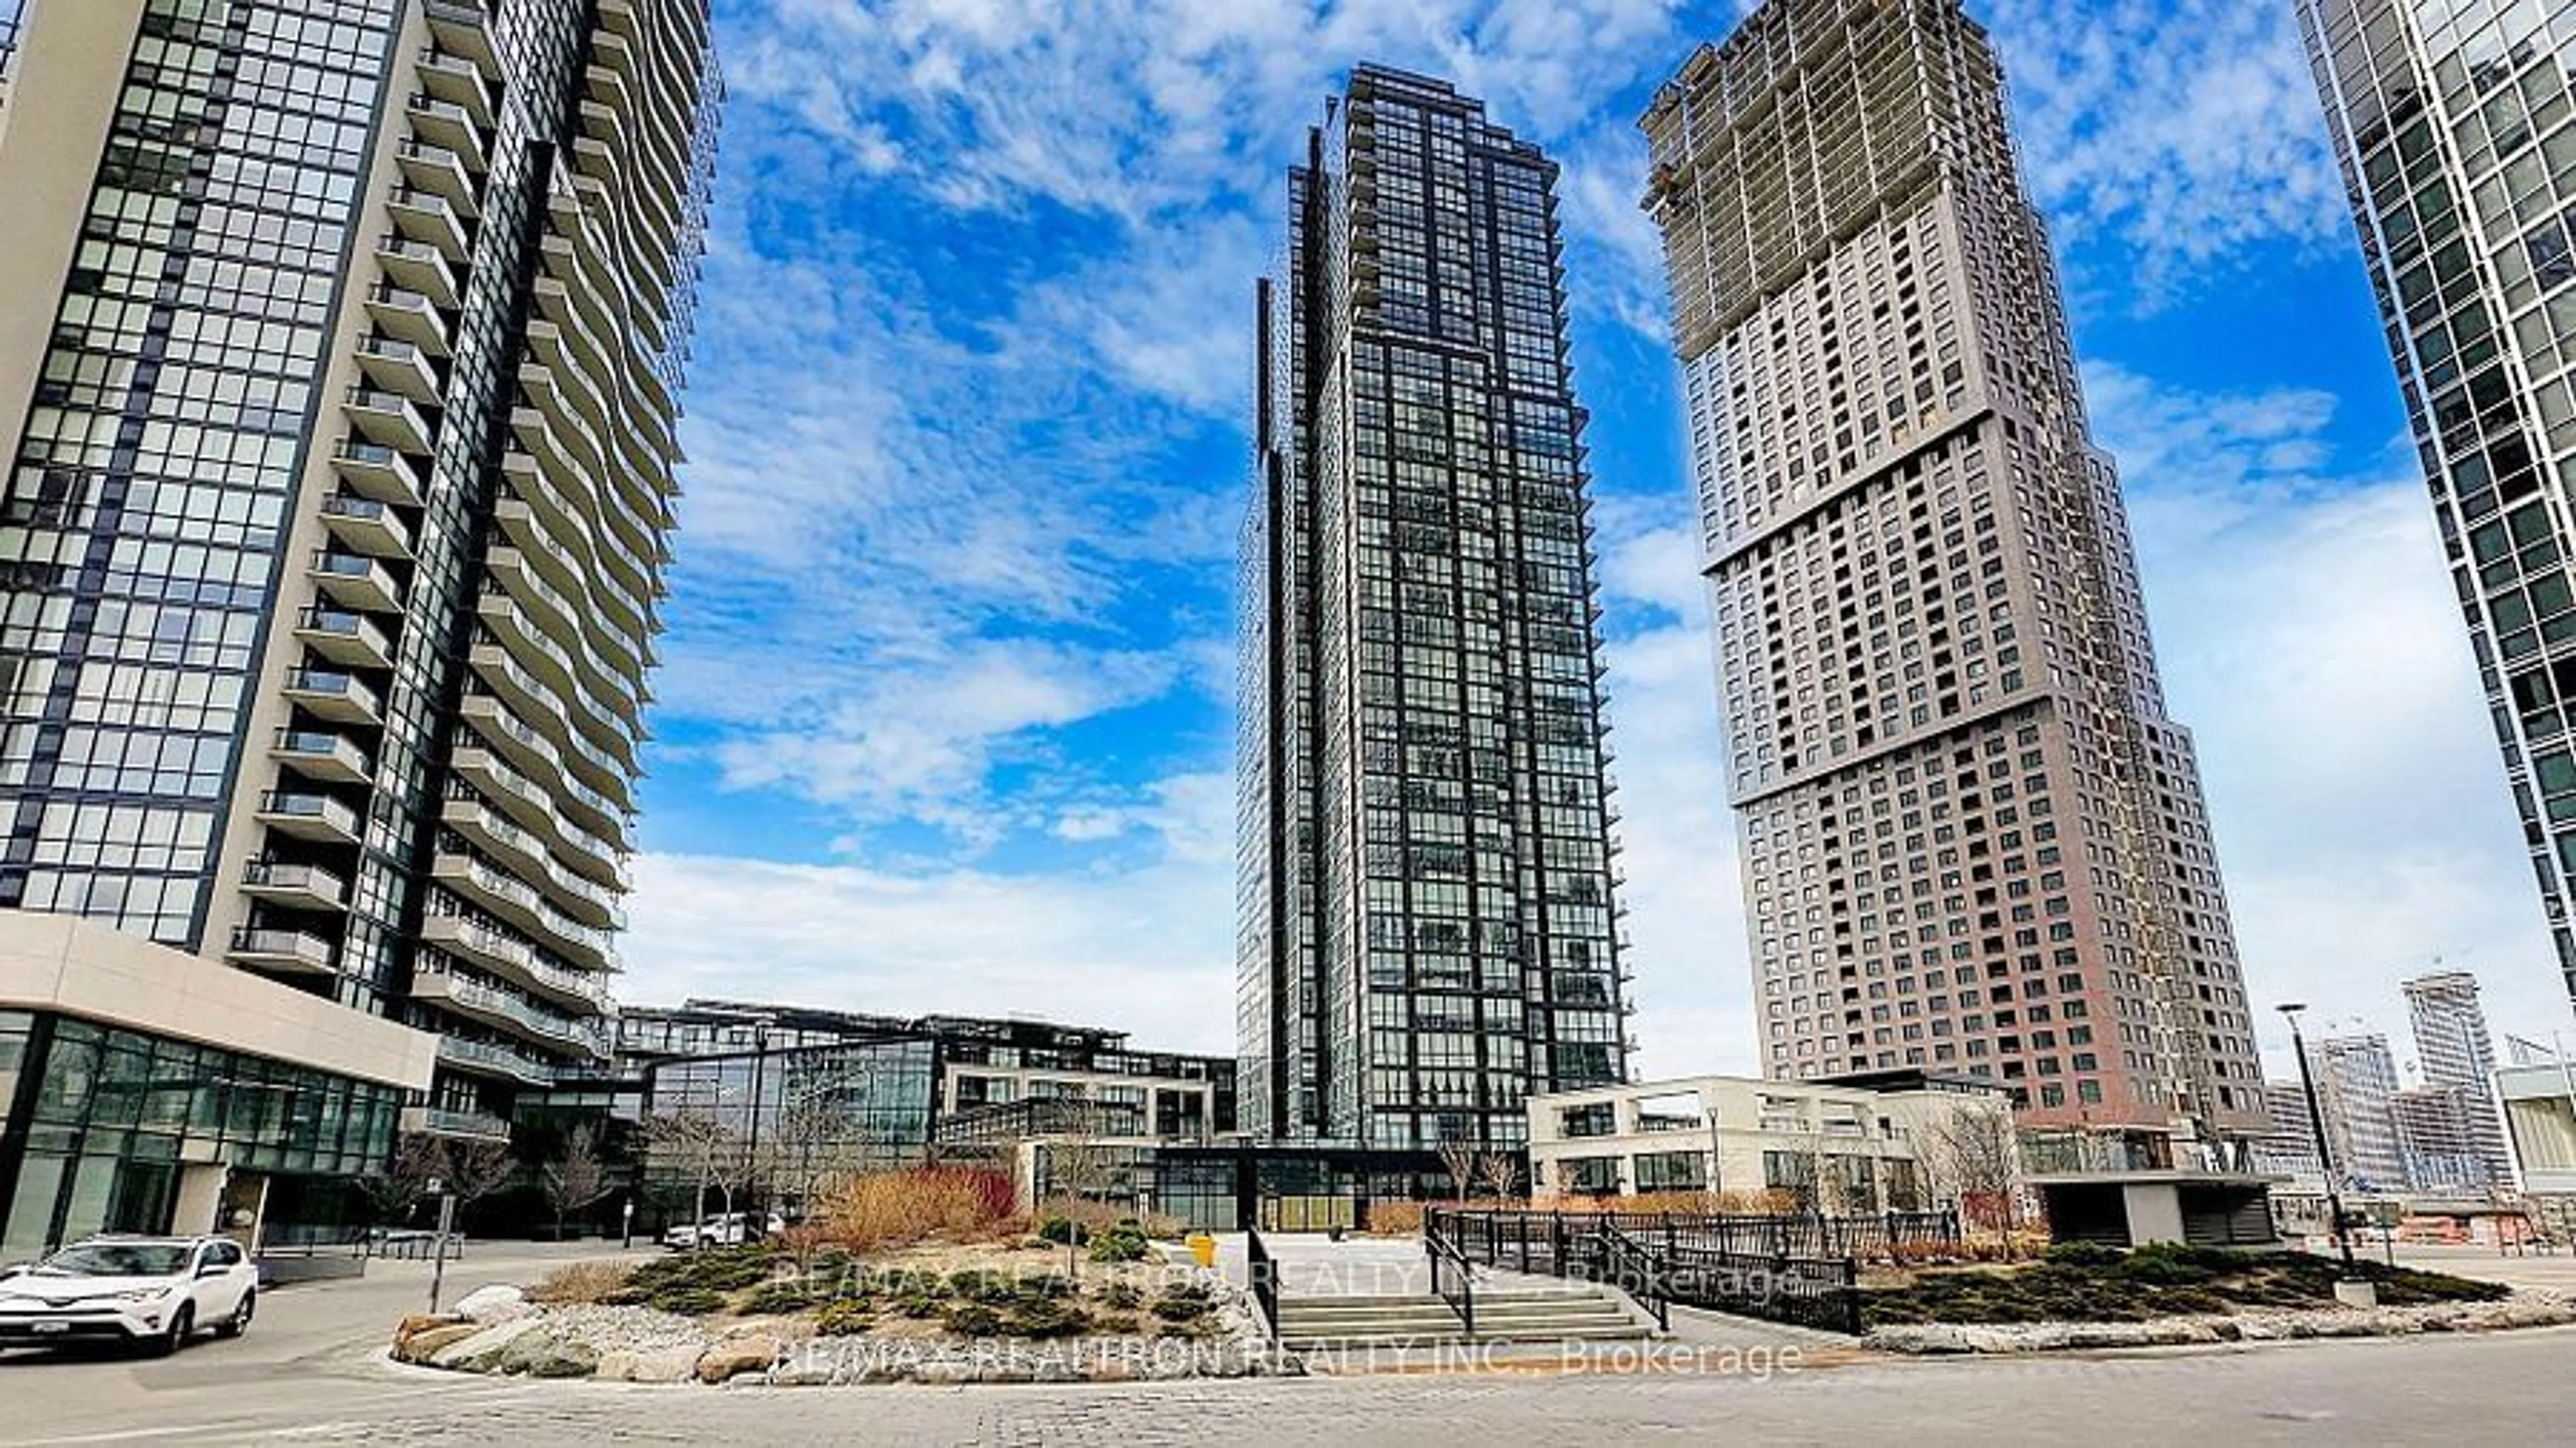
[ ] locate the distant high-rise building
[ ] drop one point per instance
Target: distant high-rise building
(2454, 1051)
(2437, 1135)
(2356, 1086)
(2459, 155)
(338, 378)
(1427, 931)
(2288, 1143)
(1972, 839)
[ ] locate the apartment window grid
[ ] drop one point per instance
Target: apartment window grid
(1468, 935)
(537, 792)
(159, 461)
(2453, 122)
(1902, 565)
(1449, 1030)
(535, 48)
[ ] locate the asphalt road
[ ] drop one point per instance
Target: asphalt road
(313, 1371)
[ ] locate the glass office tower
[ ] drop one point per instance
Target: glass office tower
(1973, 841)
(341, 415)
(1426, 868)
(2452, 119)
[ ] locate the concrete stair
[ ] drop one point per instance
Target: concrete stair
(1310, 1323)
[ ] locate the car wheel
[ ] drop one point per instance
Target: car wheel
(182, 1324)
(239, 1322)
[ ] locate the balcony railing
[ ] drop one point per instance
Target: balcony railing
(501, 1060)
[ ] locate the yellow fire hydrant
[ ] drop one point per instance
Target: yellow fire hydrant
(1203, 1247)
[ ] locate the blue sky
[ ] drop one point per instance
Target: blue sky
(945, 713)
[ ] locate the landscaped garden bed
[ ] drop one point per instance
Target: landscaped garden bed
(2078, 1296)
(965, 1298)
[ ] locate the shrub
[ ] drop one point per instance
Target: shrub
(1395, 1219)
(718, 1271)
(687, 1301)
(1045, 1317)
(887, 1209)
(1124, 1296)
(1125, 1242)
(1064, 1232)
(786, 1295)
(994, 1288)
(913, 1294)
(2085, 1254)
(2173, 1265)
(2407, 1287)
(582, 1282)
(972, 1319)
(845, 1317)
(1186, 1302)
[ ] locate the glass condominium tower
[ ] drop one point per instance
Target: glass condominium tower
(1425, 875)
(2452, 120)
(338, 377)
(1972, 840)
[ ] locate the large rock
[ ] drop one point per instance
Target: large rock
(751, 1353)
(494, 1304)
(649, 1365)
(547, 1353)
(412, 1327)
(426, 1344)
(481, 1353)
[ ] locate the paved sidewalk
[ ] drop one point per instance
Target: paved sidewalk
(2555, 1272)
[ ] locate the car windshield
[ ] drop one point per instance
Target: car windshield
(116, 1259)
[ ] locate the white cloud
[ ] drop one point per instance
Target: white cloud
(919, 739)
(2310, 639)
(1694, 986)
(1135, 950)
(2180, 132)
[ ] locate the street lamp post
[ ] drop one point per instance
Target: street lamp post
(2317, 1124)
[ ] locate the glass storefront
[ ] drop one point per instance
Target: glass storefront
(105, 1127)
(819, 1111)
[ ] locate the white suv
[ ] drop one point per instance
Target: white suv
(730, 1230)
(155, 1292)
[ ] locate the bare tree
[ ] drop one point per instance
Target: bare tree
(417, 1161)
(1974, 1155)
(1458, 1158)
(1500, 1175)
(474, 1170)
(576, 1177)
(705, 1150)
(809, 1149)
(1080, 1168)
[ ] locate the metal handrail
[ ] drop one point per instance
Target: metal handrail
(1448, 1258)
(1712, 1263)
(1632, 1269)
(1263, 1270)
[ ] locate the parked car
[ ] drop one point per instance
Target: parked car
(151, 1292)
(731, 1229)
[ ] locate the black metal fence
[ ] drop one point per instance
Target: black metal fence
(1263, 1271)
(1882, 1237)
(1781, 1269)
(1453, 1274)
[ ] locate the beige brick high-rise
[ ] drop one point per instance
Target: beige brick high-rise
(1973, 842)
